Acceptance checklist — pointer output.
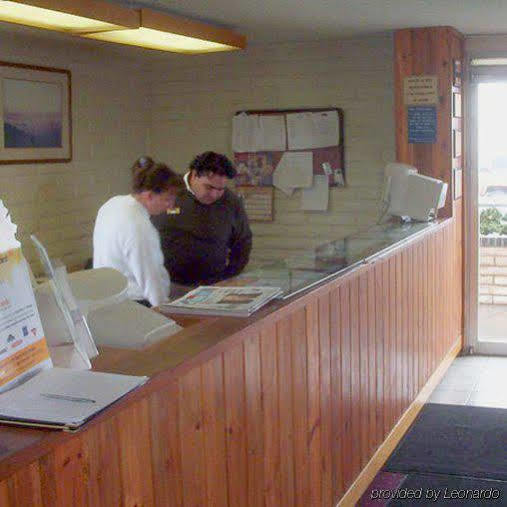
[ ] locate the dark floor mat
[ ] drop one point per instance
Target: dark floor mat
(454, 440)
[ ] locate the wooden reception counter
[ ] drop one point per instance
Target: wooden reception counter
(287, 407)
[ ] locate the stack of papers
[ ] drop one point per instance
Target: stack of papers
(63, 398)
(229, 301)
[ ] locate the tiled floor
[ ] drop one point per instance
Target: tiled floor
(474, 380)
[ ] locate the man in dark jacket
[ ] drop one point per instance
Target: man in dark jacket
(207, 238)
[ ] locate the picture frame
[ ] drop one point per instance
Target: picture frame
(35, 114)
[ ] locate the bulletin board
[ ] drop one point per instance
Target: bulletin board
(256, 166)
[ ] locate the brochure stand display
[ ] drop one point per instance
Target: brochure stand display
(67, 330)
(32, 391)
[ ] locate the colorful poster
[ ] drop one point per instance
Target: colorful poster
(256, 168)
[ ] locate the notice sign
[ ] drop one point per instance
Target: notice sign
(420, 90)
(422, 124)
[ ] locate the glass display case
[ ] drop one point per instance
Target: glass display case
(304, 270)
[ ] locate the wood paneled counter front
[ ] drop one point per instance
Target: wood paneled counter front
(284, 408)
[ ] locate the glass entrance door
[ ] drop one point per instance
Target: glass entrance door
(490, 162)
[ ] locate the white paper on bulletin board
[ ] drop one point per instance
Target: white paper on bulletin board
(260, 141)
(295, 170)
(253, 133)
(316, 198)
(308, 130)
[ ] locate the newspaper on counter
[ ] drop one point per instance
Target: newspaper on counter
(227, 301)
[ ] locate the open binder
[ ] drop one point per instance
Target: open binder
(62, 398)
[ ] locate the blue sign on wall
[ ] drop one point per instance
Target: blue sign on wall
(422, 124)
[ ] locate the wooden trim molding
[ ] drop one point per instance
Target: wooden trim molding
(190, 28)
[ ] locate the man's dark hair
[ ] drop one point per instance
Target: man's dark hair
(150, 175)
(211, 162)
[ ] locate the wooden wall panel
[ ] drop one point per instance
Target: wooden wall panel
(287, 415)
(372, 405)
(134, 444)
(379, 339)
(214, 423)
(236, 432)
(64, 475)
(355, 432)
(343, 377)
(363, 367)
(271, 485)
(165, 447)
(340, 390)
(102, 455)
(191, 438)
(429, 51)
(327, 397)
(24, 488)
(315, 421)
(254, 421)
(284, 357)
(299, 388)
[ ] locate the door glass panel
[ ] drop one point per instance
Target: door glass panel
(492, 199)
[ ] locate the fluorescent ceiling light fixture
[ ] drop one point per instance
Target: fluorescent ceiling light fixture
(173, 33)
(72, 16)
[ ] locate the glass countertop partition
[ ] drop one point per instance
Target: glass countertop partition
(303, 270)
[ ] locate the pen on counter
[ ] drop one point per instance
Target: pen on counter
(67, 398)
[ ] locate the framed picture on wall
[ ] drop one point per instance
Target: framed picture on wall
(35, 114)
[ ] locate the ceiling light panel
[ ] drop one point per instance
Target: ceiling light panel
(73, 16)
(171, 33)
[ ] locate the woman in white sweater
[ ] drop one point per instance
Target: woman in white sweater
(124, 237)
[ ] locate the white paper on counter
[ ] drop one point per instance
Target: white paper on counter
(317, 197)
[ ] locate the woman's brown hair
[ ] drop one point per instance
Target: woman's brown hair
(157, 177)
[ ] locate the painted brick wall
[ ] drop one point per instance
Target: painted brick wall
(193, 100)
(493, 276)
(130, 102)
(59, 202)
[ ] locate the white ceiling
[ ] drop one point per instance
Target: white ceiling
(298, 20)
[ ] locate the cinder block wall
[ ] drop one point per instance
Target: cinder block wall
(59, 202)
(193, 100)
(128, 101)
(493, 276)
